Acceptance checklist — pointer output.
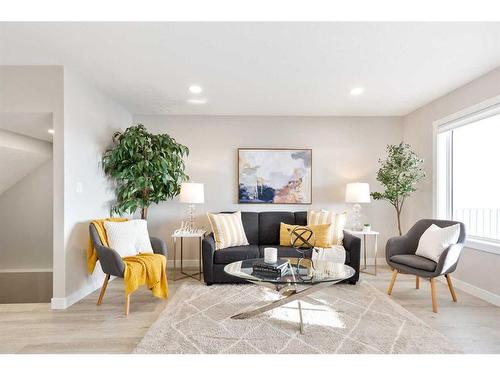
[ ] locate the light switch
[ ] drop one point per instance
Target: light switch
(79, 187)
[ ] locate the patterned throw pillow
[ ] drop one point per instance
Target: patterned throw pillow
(338, 222)
(228, 230)
(322, 234)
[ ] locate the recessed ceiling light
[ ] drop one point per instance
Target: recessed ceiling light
(50, 131)
(197, 101)
(195, 89)
(357, 91)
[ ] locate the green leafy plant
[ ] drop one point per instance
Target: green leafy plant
(399, 173)
(146, 168)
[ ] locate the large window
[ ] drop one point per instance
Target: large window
(468, 173)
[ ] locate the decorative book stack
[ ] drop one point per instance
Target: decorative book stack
(271, 270)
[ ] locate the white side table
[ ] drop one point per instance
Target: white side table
(200, 236)
(364, 236)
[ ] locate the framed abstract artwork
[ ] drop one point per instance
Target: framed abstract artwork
(275, 175)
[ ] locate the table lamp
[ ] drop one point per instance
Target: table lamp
(357, 192)
(191, 193)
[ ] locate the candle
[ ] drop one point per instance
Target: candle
(270, 255)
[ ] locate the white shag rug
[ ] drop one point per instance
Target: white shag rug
(348, 319)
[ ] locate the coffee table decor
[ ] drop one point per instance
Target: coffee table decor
(303, 278)
(302, 239)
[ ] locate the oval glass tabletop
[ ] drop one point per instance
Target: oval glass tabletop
(308, 272)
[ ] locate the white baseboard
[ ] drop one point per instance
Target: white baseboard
(485, 295)
(59, 303)
(25, 270)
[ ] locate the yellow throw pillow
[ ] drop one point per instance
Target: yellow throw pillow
(322, 234)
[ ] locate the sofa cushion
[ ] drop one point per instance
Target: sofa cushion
(236, 253)
(414, 261)
(251, 224)
(285, 251)
(301, 218)
(269, 226)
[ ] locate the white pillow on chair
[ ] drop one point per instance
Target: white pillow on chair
(128, 238)
(435, 240)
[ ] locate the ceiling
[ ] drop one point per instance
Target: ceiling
(294, 69)
(31, 124)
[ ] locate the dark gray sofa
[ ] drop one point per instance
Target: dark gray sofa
(262, 230)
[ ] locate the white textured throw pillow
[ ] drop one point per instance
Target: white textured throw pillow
(128, 238)
(435, 240)
(228, 230)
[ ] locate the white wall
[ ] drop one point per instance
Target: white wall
(90, 119)
(39, 89)
(26, 222)
(345, 149)
(84, 121)
(477, 268)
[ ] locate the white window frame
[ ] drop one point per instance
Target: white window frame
(471, 114)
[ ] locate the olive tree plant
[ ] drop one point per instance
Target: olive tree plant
(146, 168)
(399, 174)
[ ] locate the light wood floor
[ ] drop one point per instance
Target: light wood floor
(472, 324)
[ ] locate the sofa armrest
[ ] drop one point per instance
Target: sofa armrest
(111, 261)
(159, 246)
(208, 250)
(352, 244)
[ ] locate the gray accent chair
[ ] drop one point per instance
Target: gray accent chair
(400, 255)
(112, 263)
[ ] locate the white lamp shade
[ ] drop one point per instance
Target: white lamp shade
(192, 192)
(357, 192)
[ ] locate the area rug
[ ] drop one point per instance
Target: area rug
(348, 319)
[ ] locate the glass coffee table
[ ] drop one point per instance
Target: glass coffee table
(302, 278)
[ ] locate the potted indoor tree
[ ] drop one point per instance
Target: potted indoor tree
(399, 174)
(146, 168)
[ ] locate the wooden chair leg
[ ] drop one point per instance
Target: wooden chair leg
(393, 280)
(417, 283)
(103, 289)
(127, 304)
(450, 287)
(433, 294)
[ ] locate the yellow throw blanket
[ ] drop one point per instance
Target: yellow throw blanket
(147, 268)
(101, 231)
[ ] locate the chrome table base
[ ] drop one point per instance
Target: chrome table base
(289, 293)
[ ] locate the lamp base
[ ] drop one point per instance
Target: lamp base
(356, 218)
(191, 222)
